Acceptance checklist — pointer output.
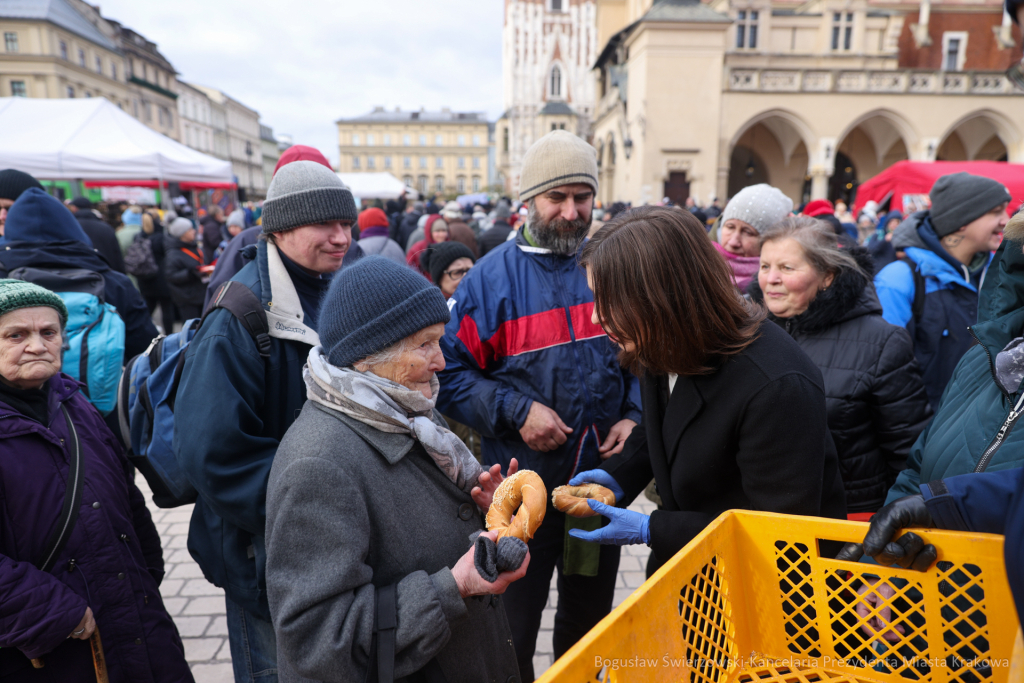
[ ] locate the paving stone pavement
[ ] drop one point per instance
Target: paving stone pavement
(198, 606)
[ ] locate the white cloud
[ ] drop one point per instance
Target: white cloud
(302, 64)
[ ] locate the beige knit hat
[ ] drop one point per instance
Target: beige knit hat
(559, 158)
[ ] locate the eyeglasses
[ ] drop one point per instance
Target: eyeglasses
(456, 274)
(1015, 74)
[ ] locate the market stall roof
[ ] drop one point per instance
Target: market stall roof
(373, 185)
(906, 184)
(93, 139)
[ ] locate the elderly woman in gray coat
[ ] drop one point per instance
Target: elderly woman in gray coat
(370, 490)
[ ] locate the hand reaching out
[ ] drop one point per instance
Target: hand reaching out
(489, 482)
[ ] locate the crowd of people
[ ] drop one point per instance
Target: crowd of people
(755, 356)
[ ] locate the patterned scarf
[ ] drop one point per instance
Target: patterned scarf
(393, 408)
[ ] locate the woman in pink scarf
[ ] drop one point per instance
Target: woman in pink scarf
(750, 211)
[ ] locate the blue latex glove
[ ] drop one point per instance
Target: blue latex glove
(626, 527)
(601, 478)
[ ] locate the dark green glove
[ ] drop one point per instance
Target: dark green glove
(909, 550)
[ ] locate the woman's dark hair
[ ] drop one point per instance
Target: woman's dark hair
(659, 283)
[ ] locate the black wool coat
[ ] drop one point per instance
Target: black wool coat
(104, 239)
(182, 272)
(877, 403)
(753, 435)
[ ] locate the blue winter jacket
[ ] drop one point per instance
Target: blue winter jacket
(963, 435)
(950, 305)
(991, 503)
(233, 408)
(521, 332)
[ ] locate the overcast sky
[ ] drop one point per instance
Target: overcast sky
(303, 64)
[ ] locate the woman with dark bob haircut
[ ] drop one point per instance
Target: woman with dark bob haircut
(733, 411)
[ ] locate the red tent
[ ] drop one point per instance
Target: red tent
(905, 185)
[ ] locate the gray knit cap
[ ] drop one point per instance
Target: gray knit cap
(178, 227)
(959, 198)
(306, 193)
(237, 219)
(15, 294)
(559, 158)
(759, 205)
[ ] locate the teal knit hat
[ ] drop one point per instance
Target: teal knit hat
(15, 294)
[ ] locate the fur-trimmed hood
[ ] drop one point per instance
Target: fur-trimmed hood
(851, 295)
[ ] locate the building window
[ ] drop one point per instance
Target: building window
(71, 91)
(842, 30)
(11, 41)
(476, 183)
(954, 50)
(81, 57)
(371, 162)
(439, 140)
(462, 141)
(504, 140)
(439, 162)
(556, 82)
(407, 141)
(355, 162)
(370, 139)
(439, 183)
(462, 162)
(387, 140)
(407, 162)
(99, 65)
(421, 184)
(113, 71)
(460, 184)
(746, 29)
(355, 139)
(555, 5)
(88, 94)
(63, 50)
(476, 162)
(407, 180)
(387, 162)
(423, 143)
(423, 162)
(476, 140)
(18, 89)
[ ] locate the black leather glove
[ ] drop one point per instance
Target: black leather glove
(909, 550)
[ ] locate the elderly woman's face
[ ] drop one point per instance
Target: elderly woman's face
(739, 237)
(30, 345)
(421, 359)
(788, 281)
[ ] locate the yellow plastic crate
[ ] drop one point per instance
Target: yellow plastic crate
(750, 600)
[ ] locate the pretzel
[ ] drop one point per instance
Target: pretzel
(523, 494)
(572, 500)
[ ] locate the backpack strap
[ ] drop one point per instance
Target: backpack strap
(917, 308)
(247, 309)
(387, 622)
(72, 500)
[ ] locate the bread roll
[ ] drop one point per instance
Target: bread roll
(524, 495)
(572, 500)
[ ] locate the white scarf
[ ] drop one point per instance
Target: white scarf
(390, 407)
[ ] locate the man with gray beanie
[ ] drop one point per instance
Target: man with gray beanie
(528, 370)
(237, 398)
(933, 291)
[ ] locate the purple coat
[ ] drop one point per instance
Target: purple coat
(111, 563)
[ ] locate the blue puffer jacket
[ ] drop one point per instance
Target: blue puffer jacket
(962, 437)
(234, 408)
(950, 305)
(521, 332)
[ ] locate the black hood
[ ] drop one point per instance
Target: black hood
(851, 295)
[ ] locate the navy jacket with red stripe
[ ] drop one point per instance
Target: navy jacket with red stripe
(521, 332)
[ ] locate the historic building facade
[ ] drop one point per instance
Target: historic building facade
(548, 50)
(812, 97)
(432, 151)
(236, 137)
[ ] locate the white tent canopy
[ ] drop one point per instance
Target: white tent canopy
(92, 139)
(373, 185)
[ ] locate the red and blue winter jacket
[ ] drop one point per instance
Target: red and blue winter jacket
(521, 332)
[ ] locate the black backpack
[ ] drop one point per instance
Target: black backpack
(139, 260)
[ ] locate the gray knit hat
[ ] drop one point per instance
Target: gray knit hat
(306, 193)
(559, 158)
(373, 304)
(15, 294)
(237, 218)
(178, 227)
(759, 205)
(959, 198)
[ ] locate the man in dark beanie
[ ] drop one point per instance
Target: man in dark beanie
(12, 184)
(235, 404)
(103, 237)
(529, 370)
(933, 292)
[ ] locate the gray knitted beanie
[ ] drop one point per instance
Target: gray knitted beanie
(306, 193)
(373, 304)
(959, 198)
(759, 205)
(559, 158)
(178, 227)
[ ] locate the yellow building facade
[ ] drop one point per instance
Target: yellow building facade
(434, 152)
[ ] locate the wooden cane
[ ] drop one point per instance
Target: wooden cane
(99, 662)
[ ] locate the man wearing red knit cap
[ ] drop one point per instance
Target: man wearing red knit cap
(373, 236)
